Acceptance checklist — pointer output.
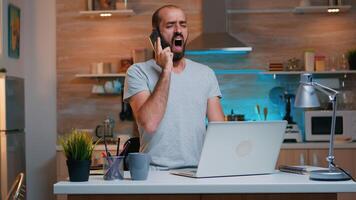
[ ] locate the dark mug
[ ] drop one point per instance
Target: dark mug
(139, 164)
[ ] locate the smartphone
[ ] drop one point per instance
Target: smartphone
(153, 38)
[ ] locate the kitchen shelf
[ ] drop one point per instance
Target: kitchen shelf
(261, 72)
(259, 11)
(296, 10)
(237, 71)
(302, 72)
(108, 94)
(126, 12)
(320, 9)
(111, 75)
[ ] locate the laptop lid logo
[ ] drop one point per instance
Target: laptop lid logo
(244, 148)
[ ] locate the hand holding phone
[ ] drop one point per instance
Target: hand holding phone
(153, 39)
(163, 55)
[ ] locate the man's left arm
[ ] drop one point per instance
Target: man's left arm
(214, 110)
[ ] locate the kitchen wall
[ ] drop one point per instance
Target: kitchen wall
(14, 67)
(82, 40)
(40, 94)
(277, 37)
(274, 37)
(36, 65)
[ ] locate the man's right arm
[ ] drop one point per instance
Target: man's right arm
(149, 108)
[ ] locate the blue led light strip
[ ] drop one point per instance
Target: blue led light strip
(216, 52)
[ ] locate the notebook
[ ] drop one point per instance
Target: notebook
(238, 148)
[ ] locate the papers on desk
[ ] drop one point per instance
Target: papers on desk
(299, 169)
(96, 172)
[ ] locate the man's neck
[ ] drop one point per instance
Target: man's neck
(179, 66)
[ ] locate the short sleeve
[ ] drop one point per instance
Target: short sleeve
(214, 90)
(135, 82)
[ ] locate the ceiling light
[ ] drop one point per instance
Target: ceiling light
(105, 14)
(333, 10)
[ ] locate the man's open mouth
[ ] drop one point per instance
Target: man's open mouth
(178, 42)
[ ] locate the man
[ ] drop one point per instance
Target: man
(171, 96)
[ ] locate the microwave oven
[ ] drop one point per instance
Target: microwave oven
(318, 124)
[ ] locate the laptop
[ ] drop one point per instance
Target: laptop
(238, 148)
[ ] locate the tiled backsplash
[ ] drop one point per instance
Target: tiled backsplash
(274, 37)
(243, 89)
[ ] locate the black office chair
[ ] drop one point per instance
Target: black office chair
(134, 147)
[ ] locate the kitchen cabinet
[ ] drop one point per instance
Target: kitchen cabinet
(345, 158)
(292, 157)
(290, 154)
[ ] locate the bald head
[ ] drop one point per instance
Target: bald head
(156, 18)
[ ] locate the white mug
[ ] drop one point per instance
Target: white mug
(109, 87)
(99, 89)
(93, 90)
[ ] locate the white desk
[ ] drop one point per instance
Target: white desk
(161, 182)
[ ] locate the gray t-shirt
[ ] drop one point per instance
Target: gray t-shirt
(179, 138)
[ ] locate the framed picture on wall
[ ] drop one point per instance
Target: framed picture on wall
(14, 31)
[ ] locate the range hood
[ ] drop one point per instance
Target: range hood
(215, 37)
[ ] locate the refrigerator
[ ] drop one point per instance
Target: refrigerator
(12, 134)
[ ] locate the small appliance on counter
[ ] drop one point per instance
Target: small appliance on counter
(292, 133)
(279, 96)
(106, 129)
(318, 123)
(234, 117)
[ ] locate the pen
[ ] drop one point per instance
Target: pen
(108, 154)
(118, 146)
(126, 148)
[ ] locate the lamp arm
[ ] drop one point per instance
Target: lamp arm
(332, 97)
(326, 90)
(331, 156)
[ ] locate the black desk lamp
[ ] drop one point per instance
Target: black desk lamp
(306, 98)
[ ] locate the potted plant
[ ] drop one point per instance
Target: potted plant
(351, 57)
(78, 148)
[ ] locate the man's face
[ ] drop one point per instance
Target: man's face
(173, 28)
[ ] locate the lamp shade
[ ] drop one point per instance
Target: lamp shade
(306, 97)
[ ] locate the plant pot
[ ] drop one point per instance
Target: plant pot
(78, 170)
(352, 62)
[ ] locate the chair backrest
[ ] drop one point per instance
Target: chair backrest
(18, 188)
(134, 147)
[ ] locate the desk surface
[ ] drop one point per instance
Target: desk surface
(161, 182)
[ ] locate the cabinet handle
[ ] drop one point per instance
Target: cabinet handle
(315, 160)
(301, 159)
